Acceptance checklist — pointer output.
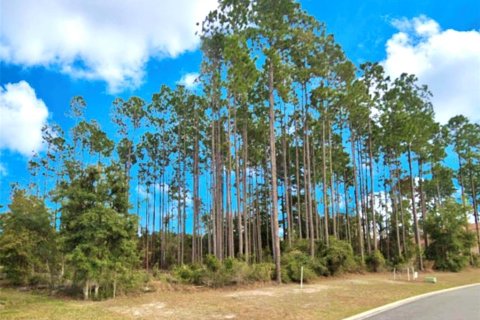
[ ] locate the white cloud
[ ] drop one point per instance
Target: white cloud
(22, 116)
(448, 61)
(189, 80)
(101, 40)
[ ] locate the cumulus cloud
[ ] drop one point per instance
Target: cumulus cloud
(189, 80)
(22, 116)
(448, 61)
(104, 40)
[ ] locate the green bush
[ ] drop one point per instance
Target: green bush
(292, 263)
(192, 274)
(215, 273)
(261, 272)
(450, 241)
(454, 263)
(212, 263)
(339, 257)
(301, 245)
(375, 261)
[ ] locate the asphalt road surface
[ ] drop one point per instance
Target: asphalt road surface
(461, 304)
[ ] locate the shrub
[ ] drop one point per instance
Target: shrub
(301, 245)
(212, 263)
(339, 257)
(192, 274)
(450, 241)
(454, 263)
(261, 272)
(214, 273)
(375, 261)
(292, 263)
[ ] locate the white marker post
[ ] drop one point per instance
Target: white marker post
(408, 273)
(301, 277)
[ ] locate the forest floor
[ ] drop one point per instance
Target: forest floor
(324, 298)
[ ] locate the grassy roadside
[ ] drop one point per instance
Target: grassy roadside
(326, 298)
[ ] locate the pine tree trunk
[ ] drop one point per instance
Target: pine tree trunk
(332, 189)
(372, 193)
(324, 183)
(245, 194)
(196, 199)
(297, 177)
(230, 245)
(422, 199)
(273, 164)
(357, 205)
(308, 189)
(395, 212)
(237, 186)
(414, 211)
(286, 187)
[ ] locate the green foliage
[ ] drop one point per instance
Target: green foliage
(28, 244)
(98, 234)
(292, 263)
(375, 261)
(475, 260)
(214, 273)
(450, 241)
(338, 257)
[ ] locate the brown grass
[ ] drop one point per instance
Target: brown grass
(326, 298)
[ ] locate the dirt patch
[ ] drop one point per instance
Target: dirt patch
(279, 292)
(361, 282)
(252, 294)
(310, 289)
(144, 310)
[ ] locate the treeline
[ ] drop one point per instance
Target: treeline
(286, 154)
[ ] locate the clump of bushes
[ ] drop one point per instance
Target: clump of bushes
(214, 273)
(292, 263)
(375, 261)
(339, 257)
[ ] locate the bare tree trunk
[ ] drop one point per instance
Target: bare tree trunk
(273, 164)
(237, 186)
(230, 246)
(422, 200)
(245, 194)
(213, 216)
(286, 186)
(297, 177)
(324, 183)
(357, 207)
(398, 190)
(310, 202)
(196, 199)
(414, 211)
(332, 189)
(372, 193)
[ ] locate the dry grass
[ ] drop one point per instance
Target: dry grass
(327, 298)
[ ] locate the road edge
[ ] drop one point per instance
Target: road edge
(399, 303)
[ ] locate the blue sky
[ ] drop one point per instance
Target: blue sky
(53, 50)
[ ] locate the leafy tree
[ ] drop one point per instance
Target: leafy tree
(28, 244)
(98, 233)
(450, 239)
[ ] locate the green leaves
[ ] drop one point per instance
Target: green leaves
(27, 239)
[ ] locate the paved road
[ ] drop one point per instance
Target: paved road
(461, 304)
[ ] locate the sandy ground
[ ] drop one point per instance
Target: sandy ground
(328, 298)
